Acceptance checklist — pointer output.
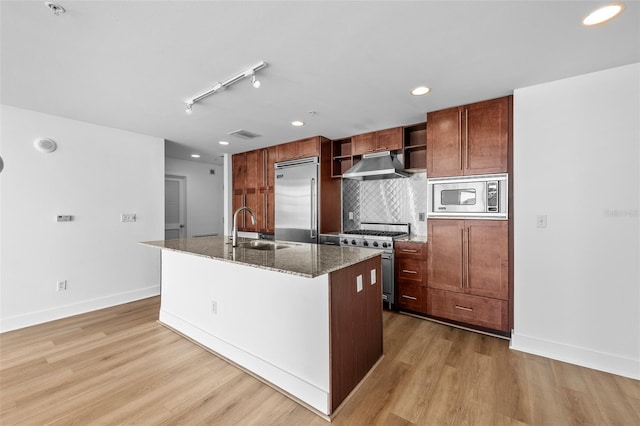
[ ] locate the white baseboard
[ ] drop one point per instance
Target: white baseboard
(610, 363)
(291, 385)
(46, 315)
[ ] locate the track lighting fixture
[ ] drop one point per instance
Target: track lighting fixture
(251, 72)
(254, 82)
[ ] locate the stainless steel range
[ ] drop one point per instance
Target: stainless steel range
(379, 236)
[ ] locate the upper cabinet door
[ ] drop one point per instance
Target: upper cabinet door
(239, 171)
(308, 147)
(444, 143)
(389, 139)
(361, 144)
(382, 140)
(251, 177)
(486, 136)
(469, 140)
(270, 158)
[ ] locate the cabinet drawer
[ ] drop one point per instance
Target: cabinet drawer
(409, 250)
(411, 296)
(476, 310)
(412, 270)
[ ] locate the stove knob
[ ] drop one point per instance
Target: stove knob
(384, 245)
(345, 241)
(375, 244)
(353, 242)
(366, 243)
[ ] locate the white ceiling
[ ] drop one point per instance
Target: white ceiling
(131, 65)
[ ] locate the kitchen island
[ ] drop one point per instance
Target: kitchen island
(305, 318)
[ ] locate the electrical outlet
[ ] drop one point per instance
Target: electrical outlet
(359, 283)
(373, 276)
(421, 217)
(64, 218)
(214, 307)
(128, 217)
(350, 215)
(61, 285)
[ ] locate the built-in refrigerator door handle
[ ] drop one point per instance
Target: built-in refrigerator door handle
(313, 184)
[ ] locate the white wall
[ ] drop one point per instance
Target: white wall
(96, 174)
(204, 195)
(577, 160)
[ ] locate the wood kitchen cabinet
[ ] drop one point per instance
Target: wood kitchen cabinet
(253, 177)
(303, 148)
(254, 184)
(471, 139)
(468, 271)
(411, 276)
(382, 140)
(266, 189)
(245, 188)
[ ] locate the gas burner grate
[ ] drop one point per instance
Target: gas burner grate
(375, 233)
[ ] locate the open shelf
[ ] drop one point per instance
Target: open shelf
(339, 165)
(415, 158)
(415, 135)
(341, 148)
(415, 147)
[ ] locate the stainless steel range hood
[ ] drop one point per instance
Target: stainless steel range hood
(379, 165)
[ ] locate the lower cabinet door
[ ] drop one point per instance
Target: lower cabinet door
(411, 296)
(466, 308)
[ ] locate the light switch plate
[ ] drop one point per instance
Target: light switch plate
(64, 218)
(359, 283)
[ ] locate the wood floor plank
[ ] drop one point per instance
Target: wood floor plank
(119, 366)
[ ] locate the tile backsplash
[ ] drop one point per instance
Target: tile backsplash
(385, 200)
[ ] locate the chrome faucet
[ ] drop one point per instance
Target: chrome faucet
(234, 231)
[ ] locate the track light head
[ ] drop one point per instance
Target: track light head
(254, 82)
(188, 107)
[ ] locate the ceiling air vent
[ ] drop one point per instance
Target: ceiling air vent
(244, 134)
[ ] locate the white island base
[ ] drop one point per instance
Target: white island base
(313, 338)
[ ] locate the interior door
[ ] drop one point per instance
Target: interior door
(175, 207)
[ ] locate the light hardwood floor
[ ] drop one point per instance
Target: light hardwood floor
(119, 366)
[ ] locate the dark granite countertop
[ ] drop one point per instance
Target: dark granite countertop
(307, 260)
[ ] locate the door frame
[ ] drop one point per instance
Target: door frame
(182, 181)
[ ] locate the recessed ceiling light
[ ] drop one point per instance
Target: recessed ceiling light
(195, 155)
(297, 123)
(421, 90)
(603, 14)
(223, 143)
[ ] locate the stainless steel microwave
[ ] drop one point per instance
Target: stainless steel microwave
(472, 197)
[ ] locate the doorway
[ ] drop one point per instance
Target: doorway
(175, 207)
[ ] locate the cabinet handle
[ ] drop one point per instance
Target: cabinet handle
(466, 138)
(460, 137)
(265, 215)
(244, 214)
(407, 271)
(264, 167)
(313, 219)
(409, 297)
(409, 251)
(462, 308)
(467, 262)
(462, 260)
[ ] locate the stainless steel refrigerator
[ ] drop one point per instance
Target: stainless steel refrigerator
(296, 194)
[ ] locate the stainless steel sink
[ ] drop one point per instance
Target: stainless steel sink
(263, 245)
